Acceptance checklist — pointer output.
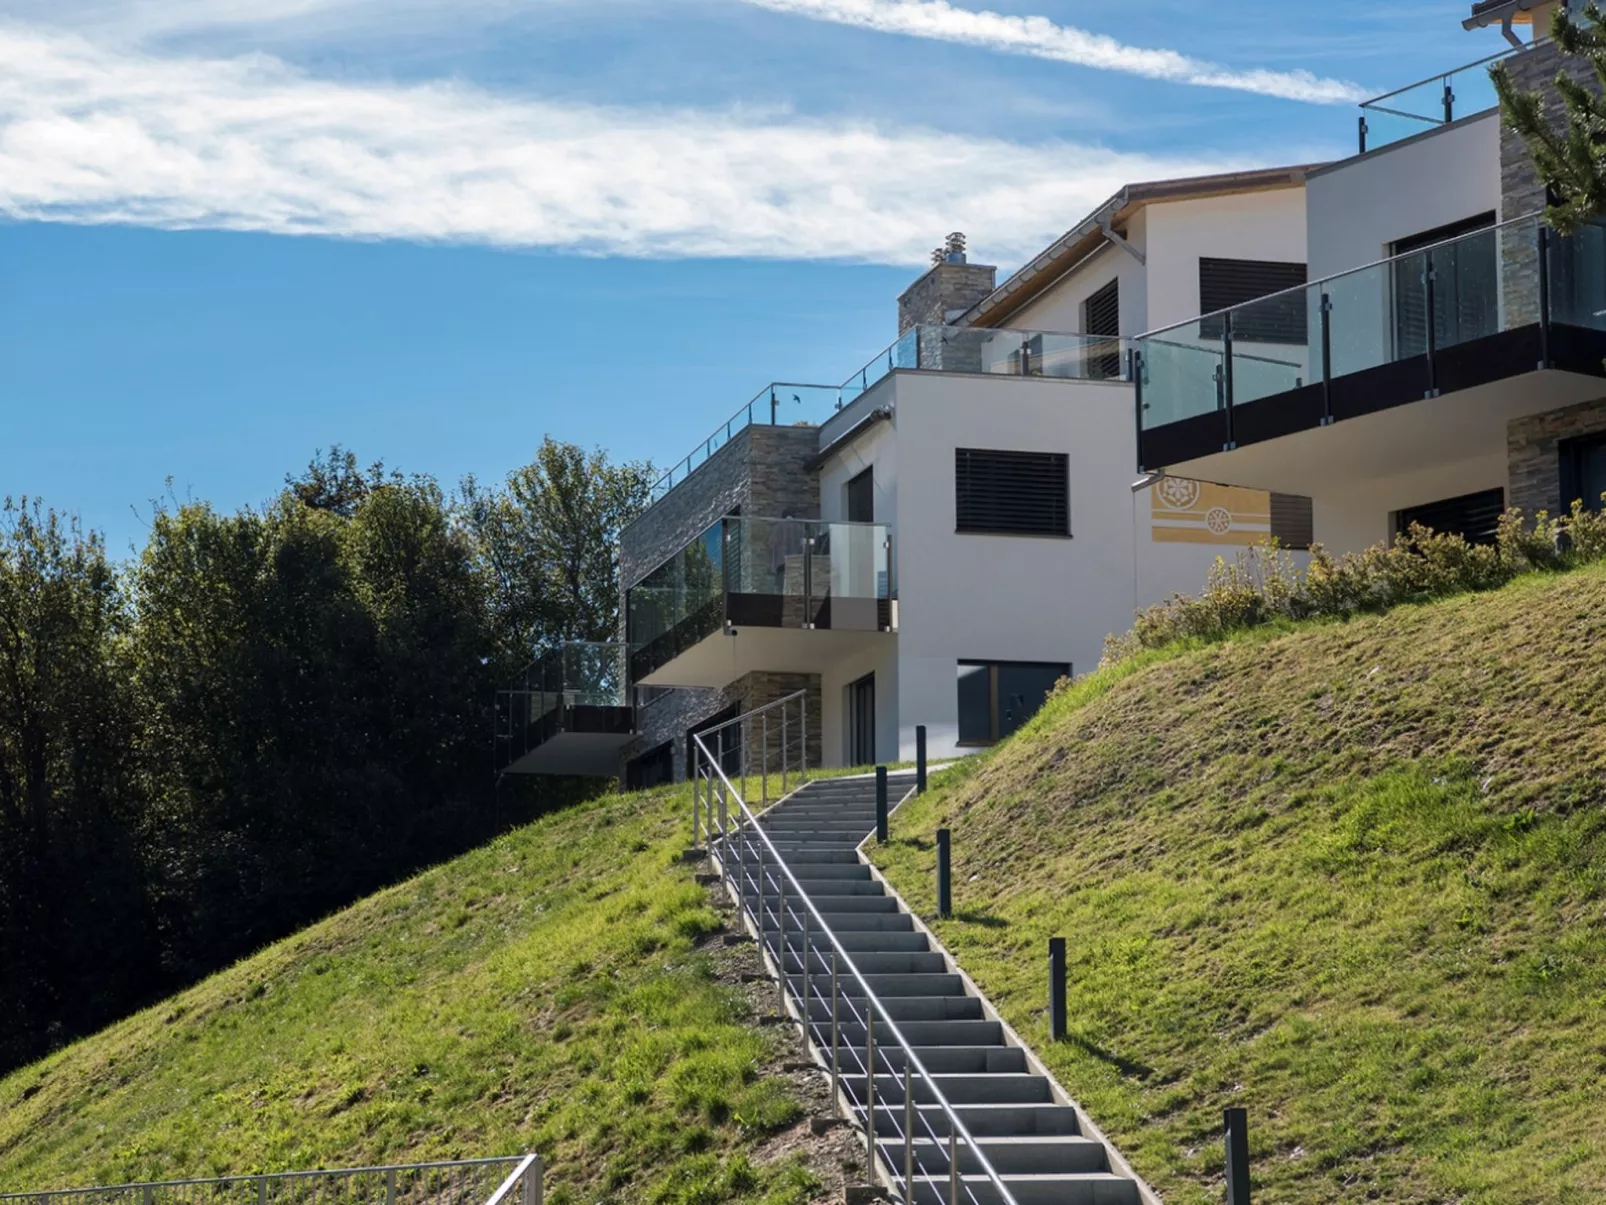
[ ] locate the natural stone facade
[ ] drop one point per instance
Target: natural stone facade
(762, 472)
(1533, 463)
(947, 287)
(764, 737)
(1521, 192)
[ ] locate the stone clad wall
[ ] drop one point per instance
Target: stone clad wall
(763, 473)
(945, 288)
(1534, 467)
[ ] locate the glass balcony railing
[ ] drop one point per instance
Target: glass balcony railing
(1413, 311)
(530, 711)
(783, 573)
(929, 348)
(1435, 101)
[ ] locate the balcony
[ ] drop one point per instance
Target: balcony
(1430, 103)
(567, 713)
(922, 348)
(779, 595)
(1444, 344)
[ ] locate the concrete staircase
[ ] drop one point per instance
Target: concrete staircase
(1036, 1141)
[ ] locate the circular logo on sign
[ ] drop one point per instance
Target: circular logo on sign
(1219, 520)
(1178, 492)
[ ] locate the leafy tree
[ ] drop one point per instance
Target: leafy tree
(1570, 155)
(75, 941)
(549, 544)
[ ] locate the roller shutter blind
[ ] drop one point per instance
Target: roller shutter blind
(1012, 493)
(1101, 315)
(1224, 283)
(1475, 516)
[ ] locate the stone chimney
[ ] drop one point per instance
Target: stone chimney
(948, 289)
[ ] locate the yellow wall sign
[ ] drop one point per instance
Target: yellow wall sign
(1197, 512)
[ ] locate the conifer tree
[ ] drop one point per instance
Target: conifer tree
(1569, 155)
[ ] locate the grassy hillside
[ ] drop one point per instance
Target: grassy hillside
(557, 990)
(1351, 876)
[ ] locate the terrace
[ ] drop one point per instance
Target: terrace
(567, 713)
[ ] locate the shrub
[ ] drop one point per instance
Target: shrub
(1264, 584)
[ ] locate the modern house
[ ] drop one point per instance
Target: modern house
(939, 539)
(1445, 359)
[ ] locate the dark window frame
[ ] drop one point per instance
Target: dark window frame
(982, 508)
(1570, 469)
(1492, 501)
(867, 478)
(1101, 318)
(995, 727)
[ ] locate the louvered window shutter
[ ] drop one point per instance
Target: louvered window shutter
(1225, 283)
(1012, 493)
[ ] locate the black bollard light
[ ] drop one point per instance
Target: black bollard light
(881, 804)
(920, 758)
(945, 904)
(1235, 1125)
(1056, 988)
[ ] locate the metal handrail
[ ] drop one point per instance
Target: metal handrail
(1443, 75)
(147, 1189)
(1151, 336)
(872, 1001)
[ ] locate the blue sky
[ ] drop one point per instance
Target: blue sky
(235, 231)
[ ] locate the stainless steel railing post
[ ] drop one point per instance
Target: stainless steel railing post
(869, 1091)
(780, 929)
(953, 1161)
(908, 1132)
(836, 1031)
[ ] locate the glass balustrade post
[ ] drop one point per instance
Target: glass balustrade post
(1431, 303)
(1226, 376)
(1449, 101)
(1542, 233)
(1326, 310)
(1362, 123)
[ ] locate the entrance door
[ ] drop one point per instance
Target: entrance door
(861, 722)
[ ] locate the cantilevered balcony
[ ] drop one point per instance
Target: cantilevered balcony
(567, 713)
(1431, 103)
(1424, 355)
(778, 595)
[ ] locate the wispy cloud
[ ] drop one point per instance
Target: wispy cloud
(1041, 38)
(99, 135)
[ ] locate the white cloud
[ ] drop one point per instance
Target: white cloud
(94, 135)
(1039, 37)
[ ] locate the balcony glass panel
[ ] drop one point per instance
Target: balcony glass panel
(1420, 107)
(1578, 278)
(1271, 345)
(1483, 283)
(1182, 373)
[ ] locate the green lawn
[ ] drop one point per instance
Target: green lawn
(1350, 876)
(551, 991)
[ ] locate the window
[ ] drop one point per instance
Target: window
(1225, 283)
(1474, 516)
(1012, 493)
(1292, 525)
(861, 497)
(1583, 471)
(1466, 287)
(997, 697)
(1101, 315)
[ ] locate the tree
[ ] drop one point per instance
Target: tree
(76, 946)
(1570, 157)
(549, 544)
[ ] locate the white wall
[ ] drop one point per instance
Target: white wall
(1350, 519)
(882, 661)
(1060, 309)
(1016, 598)
(1356, 210)
(1259, 225)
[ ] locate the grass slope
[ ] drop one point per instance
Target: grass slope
(1351, 876)
(545, 992)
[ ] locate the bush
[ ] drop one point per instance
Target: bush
(1265, 585)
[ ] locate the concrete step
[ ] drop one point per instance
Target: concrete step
(983, 1120)
(937, 1060)
(834, 903)
(960, 1089)
(865, 886)
(821, 872)
(924, 1033)
(884, 986)
(866, 922)
(899, 1008)
(892, 962)
(884, 941)
(1031, 1154)
(1075, 1188)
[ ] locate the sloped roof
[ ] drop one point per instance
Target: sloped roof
(1036, 277)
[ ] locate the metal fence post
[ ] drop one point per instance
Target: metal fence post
(869, 1090)
(534, 1183)
(953, 1163)
(908, 1129)
(920, 758)
(764, 758)
(390, 1187)
(1235, 1123)
(836, 1031)
(785, 752)
(780, 930)
(803, 735)
(1056, 988)
(945, 903)
(881, 804)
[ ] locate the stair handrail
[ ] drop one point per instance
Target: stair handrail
(526, 1169)
(873, 1001)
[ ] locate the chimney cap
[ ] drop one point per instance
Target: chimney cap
(954, 248)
